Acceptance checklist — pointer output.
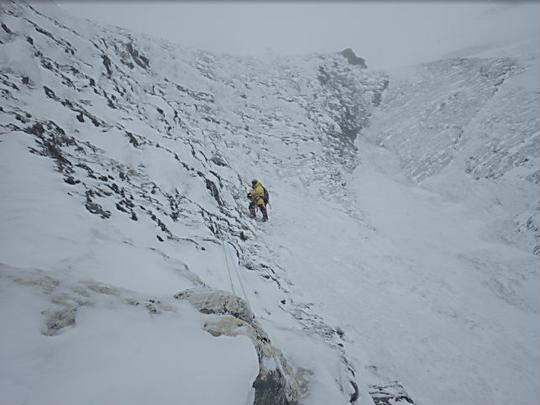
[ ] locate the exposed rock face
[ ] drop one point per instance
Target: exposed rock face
(66, 297)
(349, 54)
(210, 301)
(59, 320)
(389, 394)
(277, 382)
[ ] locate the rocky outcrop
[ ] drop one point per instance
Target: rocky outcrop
(389, 394)
(65, 297)
(277, 382)
(351, 57)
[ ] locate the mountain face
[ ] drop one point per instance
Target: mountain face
(400, 262)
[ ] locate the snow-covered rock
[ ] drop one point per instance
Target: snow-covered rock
(398, 262)
(277, 382)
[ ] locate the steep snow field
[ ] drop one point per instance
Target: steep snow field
(424, 295)
(400, 262)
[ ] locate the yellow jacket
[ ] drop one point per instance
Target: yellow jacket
(257, 194)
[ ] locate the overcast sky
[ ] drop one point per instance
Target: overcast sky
(385, 33)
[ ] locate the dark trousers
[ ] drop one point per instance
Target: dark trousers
(253, 210)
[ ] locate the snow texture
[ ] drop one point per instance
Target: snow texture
(400, 262)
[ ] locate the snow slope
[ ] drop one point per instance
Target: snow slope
(401, 257)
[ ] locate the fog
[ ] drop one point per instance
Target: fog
(386, 34)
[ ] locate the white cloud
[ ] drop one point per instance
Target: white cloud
(386, 34)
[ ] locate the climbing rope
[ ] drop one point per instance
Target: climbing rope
(240, 280)
(235, 266)
(227, 265)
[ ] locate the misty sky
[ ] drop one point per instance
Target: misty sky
(385, 33)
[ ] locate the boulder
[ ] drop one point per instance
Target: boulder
(351, 57)
(277, 382)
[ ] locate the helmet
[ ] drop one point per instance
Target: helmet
(254, 182)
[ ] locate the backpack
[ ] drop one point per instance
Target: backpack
(266, 197)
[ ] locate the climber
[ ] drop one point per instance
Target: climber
(258, 197)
